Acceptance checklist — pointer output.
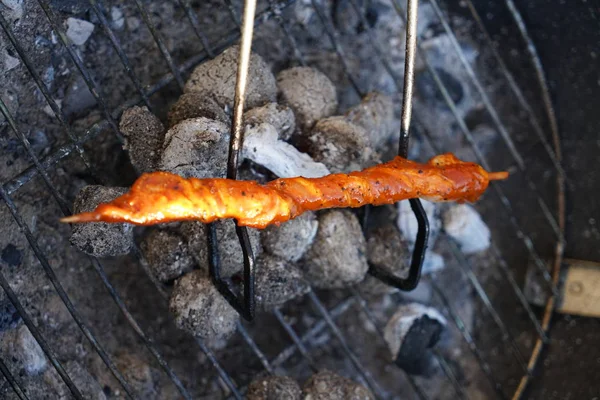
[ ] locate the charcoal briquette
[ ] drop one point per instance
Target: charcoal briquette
(337, 257)
(167, 254)
(277, 282)
(194, 105)
(196, 148)
(144, 135)
(291, 239)
(100, 239)
(340, 144)
(200, 309)
(217, 78)
(309, 92)
(278, 115)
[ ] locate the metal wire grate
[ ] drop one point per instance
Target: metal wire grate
(328, 317)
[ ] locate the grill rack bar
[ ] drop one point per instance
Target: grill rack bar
(85, 74)
(419, 253)
(459, 323)
(349, 353)
(483, 161)
(41, 257)
(442, 362)
(16, 386)
(461, 259)
(15, 188)
(360, 300)
(191, 15)
(119, 50)
(98, 267)
(500, 126)
(160, 43)
(44, 90)
(37, 336)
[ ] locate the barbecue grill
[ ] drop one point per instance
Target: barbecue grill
(320, 317)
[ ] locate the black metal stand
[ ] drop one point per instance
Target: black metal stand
(244, 306)
(416, 263)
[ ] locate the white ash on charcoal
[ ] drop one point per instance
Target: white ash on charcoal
(79, 30)
(19, 346)
(375, 114)
(195, 105)
(291, 239)
(196, 147)
(278, 115)
(309, 93)
(327, 385)
(277, 282)
(167, 254)
(144, 135)
(274, 388)
(410, 333)
(408, 225)
(100, 239)
(216, 78)
(340, 144)
(387, 250)
(464, 224)
(230, 250)
(261, 145)
(337, 257)
(200, 309)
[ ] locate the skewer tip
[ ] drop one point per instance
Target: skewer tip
(498, 176)
(83, 217)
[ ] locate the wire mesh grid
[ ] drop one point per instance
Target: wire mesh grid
(41, 168)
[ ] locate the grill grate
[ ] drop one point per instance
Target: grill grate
(328, 316)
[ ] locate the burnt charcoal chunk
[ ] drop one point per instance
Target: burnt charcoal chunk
(424, 334)
(11, 255)
(340, 144)
(410, 334)
(291, 239)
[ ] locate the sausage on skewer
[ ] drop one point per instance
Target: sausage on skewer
(161, 197)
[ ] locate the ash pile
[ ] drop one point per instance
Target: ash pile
(299, 120)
